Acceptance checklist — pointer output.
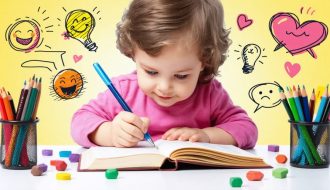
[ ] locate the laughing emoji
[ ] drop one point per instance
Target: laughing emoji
(24, 35)
(68, 83)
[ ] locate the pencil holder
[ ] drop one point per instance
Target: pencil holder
(18, 144)
(309, 144)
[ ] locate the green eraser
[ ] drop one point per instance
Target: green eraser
(280, 172)
(236, 182)
(111, 173)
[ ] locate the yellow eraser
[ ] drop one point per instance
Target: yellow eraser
(63, 176)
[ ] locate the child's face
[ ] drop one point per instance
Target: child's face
(171, 76)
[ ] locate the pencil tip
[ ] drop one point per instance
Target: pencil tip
(33, 76)
(294, 87)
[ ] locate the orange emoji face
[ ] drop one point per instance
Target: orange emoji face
(68, 83)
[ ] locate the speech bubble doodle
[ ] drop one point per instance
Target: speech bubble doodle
(292, 69)
(243, 21)
(295, 37)
(264, 95)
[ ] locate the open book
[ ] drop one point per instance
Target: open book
(168, 155)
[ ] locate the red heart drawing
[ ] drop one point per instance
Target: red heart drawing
(243, 21)
(296, 37)
(77, 58)
(292, 69)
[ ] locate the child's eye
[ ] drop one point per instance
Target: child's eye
(178, 76)
(152, 73)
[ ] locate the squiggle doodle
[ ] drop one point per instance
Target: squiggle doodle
(295, 37)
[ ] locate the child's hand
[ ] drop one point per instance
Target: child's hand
(128, 129)
(186, 134)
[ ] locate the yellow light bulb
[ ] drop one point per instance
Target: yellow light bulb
(79, 25)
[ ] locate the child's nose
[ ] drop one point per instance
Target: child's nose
(164, 86)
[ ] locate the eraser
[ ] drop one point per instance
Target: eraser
(63, 176)
(74, 157)
(280, 173)
(281, 158)
(236, 182)
(43, 167)
(61, 166)
(47, 152)
(53, 162)
(254, 175)
(36, 171)
(273, 148)
(65, 153)
(111, 173)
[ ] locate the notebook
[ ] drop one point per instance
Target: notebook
(168, 155)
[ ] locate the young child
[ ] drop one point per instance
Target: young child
(178, 47)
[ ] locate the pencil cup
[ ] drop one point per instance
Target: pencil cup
(18, 144)
(309, 144)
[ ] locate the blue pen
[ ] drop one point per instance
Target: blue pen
(116, 94)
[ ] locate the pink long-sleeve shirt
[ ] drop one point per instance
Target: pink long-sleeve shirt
(208, 106)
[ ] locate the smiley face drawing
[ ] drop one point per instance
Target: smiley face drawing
(24, 35)
(265, 95)
(68, 84)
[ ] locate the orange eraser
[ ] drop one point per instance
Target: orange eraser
(54, 162)
(281, 158)
(254, 175)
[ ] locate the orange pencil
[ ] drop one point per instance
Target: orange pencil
(10, 117)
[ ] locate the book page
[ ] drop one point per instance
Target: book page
(167, 147)
(143, 147)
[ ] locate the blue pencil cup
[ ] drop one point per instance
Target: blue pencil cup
(309, 144)
(18, 144)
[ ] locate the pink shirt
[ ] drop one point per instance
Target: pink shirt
(208, 106)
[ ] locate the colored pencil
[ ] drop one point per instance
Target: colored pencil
(6, 127)
(321, 109)
(300, 128)
(320, 131)
(12, 142)
(23, 129)
(12, 105)
(312, 104)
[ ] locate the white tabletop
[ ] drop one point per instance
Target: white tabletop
(217, 179)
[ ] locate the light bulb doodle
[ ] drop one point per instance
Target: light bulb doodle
(250, 54)
(79, 25)
(264, 95)
(67, 84)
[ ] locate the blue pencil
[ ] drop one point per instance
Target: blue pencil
(116, 94)
(320, 111)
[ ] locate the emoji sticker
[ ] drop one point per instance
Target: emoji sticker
(265, 95)
(68, 84)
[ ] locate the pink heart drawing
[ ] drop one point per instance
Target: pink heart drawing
(292, 69)
(243, 21)
(296, 37)
(77, 58)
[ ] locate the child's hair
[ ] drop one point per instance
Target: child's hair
(152, 24)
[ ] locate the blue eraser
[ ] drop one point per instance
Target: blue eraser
(65, 153)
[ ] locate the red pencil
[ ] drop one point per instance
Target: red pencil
(312, 103)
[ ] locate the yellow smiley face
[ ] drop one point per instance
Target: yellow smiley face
(68, 84)
(79, 23)
(24, 35)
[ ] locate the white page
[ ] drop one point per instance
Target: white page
(143, 147)
(167, 147)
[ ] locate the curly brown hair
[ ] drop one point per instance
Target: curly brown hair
(151, 24)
